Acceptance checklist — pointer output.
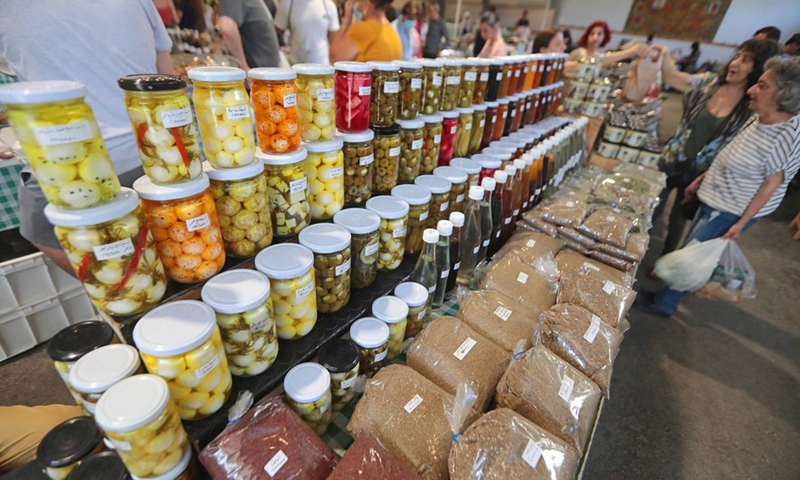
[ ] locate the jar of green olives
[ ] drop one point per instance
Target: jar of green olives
(393, 312)
(340, 358)
(431, 85)
(419, 201)
(372, 338)
(393, 230)
(440, 197)
(363, 226)
(386, 145)
(472, 168)
(384, 102)
(432, 140)
(410, 89)
(458, 178)
(411, 141)
(478, 124)
(464, 131)
(469, 77)
(331, 246)
(452, 84)
(308, 393)
(416, 297)
(359, 165)
(479, 95)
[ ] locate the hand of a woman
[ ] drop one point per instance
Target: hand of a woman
(690, 191)
(733, 232)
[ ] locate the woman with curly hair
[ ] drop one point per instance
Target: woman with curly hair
(596, 36)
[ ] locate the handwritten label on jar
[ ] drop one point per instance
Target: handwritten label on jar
(532, 454)
(522, 277)
(366, 160)
(207, 368)
(503, 313)
(444, 206)
(260, 325)
(399, 232)
(413, 403)
(437, 80)
(343, 268)
(445, 273)
(516, 211)
(275, 463)
(516, 73)
(483, 122)
(609, 287)
(197, 223)
(394, 152)
(476, 249)
(325, 94)
(416, 83)
(454, 80)
(485, 77)
(437, 139)
(423, 215)
(432, 289)
(505, 114)
(594, 328)
(470, 76)
(497, 234)
(238, 112)
(530, 243)
(457, 266)
(507, 220)
(499, 76)
(336, 172)
(391, 87)
(176, 118)
(114, 249)
(303, 292)
(416, 144)
(565, 392)
(349, 382)
(486, 243)
(289, 100)
(381, 355)
(298, 185)
(421, 314)
(65, 133)
(464, 349)
(371, 248)
(364, 91)
(494, 118)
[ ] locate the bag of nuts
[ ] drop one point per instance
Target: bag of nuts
(498, 318)
(520, 282)
(589, 289)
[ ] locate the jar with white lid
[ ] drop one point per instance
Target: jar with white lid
(112, 253)
(181, 343)
(275, 108)
(290, 269)
(472, 168)
(287, 191)
(449, 130)
(504, 154)
(359, 167)
(482, 79)
(353, 82)
(393, 230)
(419, 202)
(183, 219)
(452, 83)
(489, 164)
(469, 77)
(363, 226)
(331, 246)
(478, 124)
(431, 85)
(394, 312)
(308, 393)
(416, 298)
(410, 101)
(491, 119)
(372, 338)
(340, 358)
(458, 179)
(222, 107)
(440, 197)
(411, 140)
(325, 178)
(385, 102)
(243, 306)
(240, 197)
(432, 140)
(464, 131)
(138, 416)
(62, 142)
(315, 101)
(64, 447)
(99, 369)
(503, 113)
(386, 145)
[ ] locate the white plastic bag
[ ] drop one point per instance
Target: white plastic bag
(734, 278)
(691, 267)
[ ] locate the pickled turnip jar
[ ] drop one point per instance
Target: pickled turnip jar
(419, 201)
(393, 312)
(432, 141)
(308, 393)
(449, 129)
(458, 192)
(363, 226)
(352, 90)
(330, 244)
(223, 114)
(411, 141)
(325, 178)
(478, 124)
(243, 306)
(275, 107)
(315, 102)
(431, 85)
(372, 338)
(469, 77)
(479, 95)
(416, 297)
(393, 230)
(452, 84)
(161, 116)
(464, 132)
(385, 101)
(440, 198)
(340, 358)
(410, 100)
(62, 142)
(290, 269)
(287, 191)
(472, 168)
(185, 226)
(99, 369)
(359, 167)
(386, 146)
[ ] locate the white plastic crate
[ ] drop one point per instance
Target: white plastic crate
(46, 319)
(15, 335)
(63, 281)
(29, 281)
(77, 306)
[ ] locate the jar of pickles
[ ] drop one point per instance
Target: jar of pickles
(394, 312)
(99, 369)
(502, 118)
(308, 393)
(353, 87)
(491, 119)
(325, 178)
(431, 85)
(112, 253)
(67, 445)
(458, 179)
(469, 77)
(161, 116)
(410, 89)
(340, 358)
(331, 246)
(185, 226)
(452, 84)
(139, 418)
(315, 102)
(290, 269)
(416, 298)
(385, 101)
(463, 132)
(245, 317)
(419, 201)
(359, 159)
(479, 95)
(287, 191)
(440, 197)
(411, 141)
(363, 226)
(59, 135)
(70, 344)
(181, 343)
(393, 230)
(275, 107)
(504, 154)
(488, 164)
(472, 168)
(432, 141)
(372, 338)
(240, 197)
(387, 151)
(478, 124)
(449, 129)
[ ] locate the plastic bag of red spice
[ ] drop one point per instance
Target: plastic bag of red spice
(269, 443)
(366, 459)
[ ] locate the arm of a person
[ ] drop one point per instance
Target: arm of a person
(281, 20)
(671, 75)
(176, 15)
(199, 10)
(768, 187)
(343, 48)
(333, 23)
(164, 64)
(628, 53)
(691, 190)
(230, 32)
(446, 34)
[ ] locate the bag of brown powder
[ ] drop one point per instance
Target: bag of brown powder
(520, 282)
(367, 459)
(589, 289)
(571, 235)
(616, 252)
(611, 261)
(535, 220)
(637, 245)
(607, 226)
(564, 211)
(529, 245)
(568, 260)
(498, 318)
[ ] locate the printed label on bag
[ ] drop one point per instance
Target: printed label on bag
(275, 463)
(594, 328)
(530, 243)
(437, 80)
(366, 160)
(325, 94)
(503, 313)
(470, 76)
(371, 248)
(65, 133)
(114, 249)
(609, 287)
(437, 139)
(591, 266)
(416, 144)
(394, 152)
(416, 83)
(207, 368)
(464, 349)
(485, 77)
(238, 112)
(298, 185)
(454, 80)
(364, 91)
(424, 215)
(303, 292)
(343, 268)
(444, 206)
(349, 382)
(444, 274)
(522, 277)
(413, 403)
(399, 232)
(565, 392)
(391, 87)
(176, 118)
(197, 223)
(336, 172)
(381, 355)
(532, 454)
(610, 218)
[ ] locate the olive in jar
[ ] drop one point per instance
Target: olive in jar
(384, 102)
(410, 89)
(359, 166)
(331, 246)
(386, 146)
(432, 141)
(411, 142)
(363, 226)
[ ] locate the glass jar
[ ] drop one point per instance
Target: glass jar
(479, 95)
(526, 138)
(507, 69)
(325, 178)
(495, 79)
(359, 159)
(472, 168)
(410, 89)
(290, 269)
(308, 393)
(387, 150)
(489, 165)
(449, 129)
(100, 466)
(512, 111)
(331, 247)
(419, 202)
(478, 124)
(539, 61)
(70, 344)
(529, 71)
(363, 226)
(522, 68)
(240, 197)
(393, 230)
(141, 421)
(416, 298)
(440, 197)
(431, 85)
(315, 102)
(246, 319)
(546, 64)
(161, 116)
(62, 142)
(526, 100)
(371, 336)
(523, 177)
(513, 75)
(223, 115)
(412, 137)
(112, 253)
(69, 443)
(491, 119)
(99, 369)
(463, 132)
(393, 312)
(508, 145)
(340, 358)
(432, 141)
(504, 154)
(452, 84)
(275, 108)
(183, 219)
(181, 343)
(519, 113)
(385, 101)
(353, 86)
(458, 179)
(287, 191)
(469, 77)
(502, 118)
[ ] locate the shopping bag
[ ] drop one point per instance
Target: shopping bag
(733, 280)
(691, 267)
(644, 73)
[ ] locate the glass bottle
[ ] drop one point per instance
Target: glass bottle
(470, 237)
(496, 208)
(523, 178)
(508, 205)
(486, 222)
(424, 271)
(457, 219)
(514, 176)
(445, 229)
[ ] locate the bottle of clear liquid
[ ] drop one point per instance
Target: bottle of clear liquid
(508, 203)
(425, 270)
(445, 229)
(470, 237)
(457, 219)
(486, 217)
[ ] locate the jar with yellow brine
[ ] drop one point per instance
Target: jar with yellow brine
(411, 142)
(472, 168)
(315, 102)
(419, 201)
(308, 393)
(431, 85)
(469, 77)
(478, 124)
(275, 107)
(363, 226)
(287, 191)
(458, 178)
(359, 167)
(416, 297)
(340, 358)
(410, 100)
(372, 338)
(385, 100)
(464, 132)
(332, 261)
(393, 230)
(325, 178)
(440, 197)
(452, 84)
(387, 158)
(99, 369)
(393, 312)
(432, 140)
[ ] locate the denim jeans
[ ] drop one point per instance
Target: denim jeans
(708, 223)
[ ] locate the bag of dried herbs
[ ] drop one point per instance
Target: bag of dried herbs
(521, 282)
(367, 459)
(528, 246)
(498, 318)
(589, 289)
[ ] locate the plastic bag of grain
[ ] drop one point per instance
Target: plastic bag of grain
(412, 418)
(269, 442)
(637, 245)
(367, 459)
(520, 282)
(607, 226)
(498, 318)
(528, 246)
(565, 211)
(551, 393)
(535, 220)
(568, 261)
(448, 353)
(571, 235)
(582, 339)
(589, 289)
(616, 252)
(611, 260)
(503, 445)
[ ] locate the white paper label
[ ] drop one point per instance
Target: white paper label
(275, 463)
(497, 235)
(522, 277)
(453, 80)
(459, 198)
(121, 444)
(468, 126)
(530, 104)
(324, 408)
(464, 349)
(349, 382)
(476, 249)
(486, 243)
(499, 76)
(114, 249)
(303, 292)
(416, 83)
(413, 404)
(336, 172)
(503, 313)
(516, 73)
(530, 243)
(609, 287)
(258, 326)
(610, 218)
(423, 215)
(394, 152)
(298, 185)
(64, 133)
(364, 91)
(176, 118)
(421, 314)
(594, 328)
(366, 160)
(507, 220)
(289, 100)
(399, 232)
(325, 94)
(453, 129)
(483, 122)
(565, 392)
(381, 355)
(238, 112)
(485, 77)
(197, 223)
(541, 67)
(471, 76)
(371, 248)
(416, 144)
(532, 454)
(445, 273)
(432, 289)
(207, 368)
(391, 87)
(437, 80)
(343, 268)
(437, 139)
(444, 206)
(494, 118)
(516, 212)
(505, 114)
(457, 266)
(591, 266)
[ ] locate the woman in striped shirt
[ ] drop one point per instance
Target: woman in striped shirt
(749, 176)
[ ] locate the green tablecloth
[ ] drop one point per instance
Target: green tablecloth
(9, 205)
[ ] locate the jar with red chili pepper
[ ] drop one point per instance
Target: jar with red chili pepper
(449, 129)
(352, 90)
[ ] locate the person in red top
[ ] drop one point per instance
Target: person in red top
(166, 9)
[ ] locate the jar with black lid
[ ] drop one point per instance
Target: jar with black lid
(340, 358)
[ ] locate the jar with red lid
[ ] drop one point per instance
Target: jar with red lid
(507, 71)
(482, 82)
(449, 129)
(432, 141)
(502, 118)
(352, 91)
(275, 108)
(491, 119)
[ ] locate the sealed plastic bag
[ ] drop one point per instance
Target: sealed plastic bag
(565, 211)
(500, 319)
(535, 220)
(733, 280)
(691, 267)
(607, 226)
(521, 282)
(504, 445)
(528, 246)
(644, 73)
(367, 459)
(568, 261)
(611, 260)
(571, 235)
(590, 289)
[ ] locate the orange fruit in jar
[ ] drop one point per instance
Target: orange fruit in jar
(159, 233)
(194, 246)
(279, 143)
(289, 128)
(277, 114)
(212, 252)
(208, 269)
(188, 261)
(280, 92)
(179, 233)
(181, 275)
(267, 127)
(169, 248)
(263, 98)
(210, 236)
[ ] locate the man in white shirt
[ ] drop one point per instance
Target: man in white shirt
(311, 23)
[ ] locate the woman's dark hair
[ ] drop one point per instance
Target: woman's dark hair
(584, 40)
(761, 50)
(490, 18)
(543, 38)
(380, 4)
(695, 46)
(567, 36)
